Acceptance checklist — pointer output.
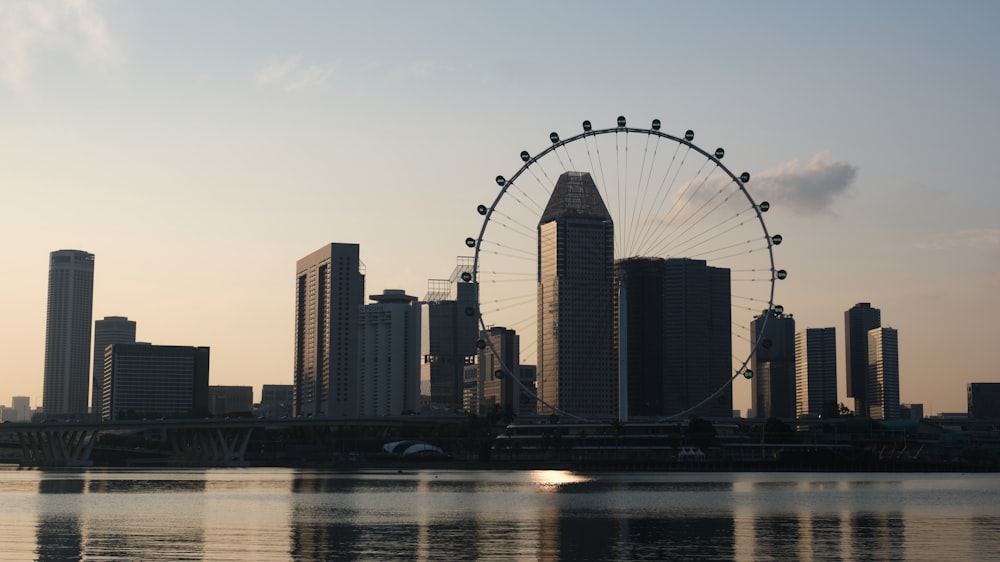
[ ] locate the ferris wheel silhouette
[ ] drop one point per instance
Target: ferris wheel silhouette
(671, 202)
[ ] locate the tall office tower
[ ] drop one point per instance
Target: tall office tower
(857, 322)
(452, 330)
(772, 389)
(697, 339)
(67, 332)
(145, 380)
(113, 329)
(389, 355)
(577, 368)
(329, 291)
(644, 280)
(498, 392)
(816, 372)
(883, 373)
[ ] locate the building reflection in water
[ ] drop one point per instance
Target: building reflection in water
(59, 536)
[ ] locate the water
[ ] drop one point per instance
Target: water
(286, 514)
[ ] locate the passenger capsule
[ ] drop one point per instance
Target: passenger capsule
(656, 124)
(781, 274)
(748, 374)
(719, 153)
(554, 137)
(621, 121)
(482, 209)
(766, 344)
(689, 135)
(745, 177)
(764, 206)
(498, 374)
(469, 311)
(470, 242)
(501, 180)
(466, 276)
(778, 309)
(480, 344)
(586, 126)
(776, 239)
(525, 156)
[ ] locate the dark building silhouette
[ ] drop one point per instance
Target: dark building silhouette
(678, 326)
(577, 369)
(698, 345)
(145, 380)
(495, 389)
(110, 330)
(984, 400)
(645, 286)
(816, 372)
(68, 323)
(773, 386)
(276, 400)
(329, 292)
(857, 322)
(226, 400)
(451, 333)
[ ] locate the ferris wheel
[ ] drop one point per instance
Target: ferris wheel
(669, 202)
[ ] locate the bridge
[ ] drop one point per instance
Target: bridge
(210, 442)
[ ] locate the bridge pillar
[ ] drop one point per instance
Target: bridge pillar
(211, 446)
(57, 447)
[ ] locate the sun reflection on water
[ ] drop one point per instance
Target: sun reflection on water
(552, 480)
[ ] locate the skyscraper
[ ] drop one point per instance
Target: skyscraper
(698, 345)
(645, 285)
(577, 370)
(113, 329)
(67, 332)
(389, 355)
(883, 373)
(452, 331)
(816, 372)
(857, 322)
(329, 291)
(773, 385)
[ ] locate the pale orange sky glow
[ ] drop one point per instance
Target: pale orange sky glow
(198, 150)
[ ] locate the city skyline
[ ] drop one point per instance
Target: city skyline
(199, 170)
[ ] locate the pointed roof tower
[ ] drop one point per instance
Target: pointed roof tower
(575, 196)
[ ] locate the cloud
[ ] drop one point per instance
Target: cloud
(805, 190)
(293, 75)
(29, 29)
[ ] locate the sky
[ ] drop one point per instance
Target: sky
(199, 149)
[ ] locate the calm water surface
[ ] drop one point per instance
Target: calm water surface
(285, 514)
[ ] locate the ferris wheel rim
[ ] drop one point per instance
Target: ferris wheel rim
(556, 143)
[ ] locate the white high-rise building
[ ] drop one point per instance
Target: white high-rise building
(389, 355)
(329, 291)
(883, 373)
(816, 372)
(67, 333)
